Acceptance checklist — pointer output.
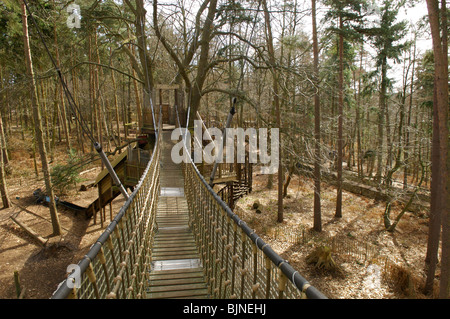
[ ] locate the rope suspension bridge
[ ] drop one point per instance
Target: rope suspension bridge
(175, 237)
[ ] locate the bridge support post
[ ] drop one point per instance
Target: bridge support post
(282, 280)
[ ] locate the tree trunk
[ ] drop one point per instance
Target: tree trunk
(77, 124)
(91, 90)
(116, 109)
(408, 120)
(202, 67)
(38, 126)
(3, 186)
(381, 121)
(277, 107)
(359, 156)
(145, 61)
(317, 207)
(61, 96)
(439, 205)
(338, 213)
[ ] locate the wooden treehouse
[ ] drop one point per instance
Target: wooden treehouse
(130, 164)
(167, 98)
(234, 180)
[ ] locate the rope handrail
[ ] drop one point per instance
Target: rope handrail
(116, 264)
(213, 221)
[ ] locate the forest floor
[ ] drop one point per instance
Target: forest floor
(395, 270)
(41, 269)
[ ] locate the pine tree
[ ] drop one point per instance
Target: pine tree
(38, 126)
(317, 207)
(277, 106)
(385, 37)
(439, 209)
(350, 16)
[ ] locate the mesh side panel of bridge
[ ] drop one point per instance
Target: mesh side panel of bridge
(175, 238)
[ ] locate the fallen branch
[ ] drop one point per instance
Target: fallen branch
(31, 232)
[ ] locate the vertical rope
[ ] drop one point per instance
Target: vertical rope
(102, 260)
(268, 266)
(234, 259)
(243, 269)
(255, 285)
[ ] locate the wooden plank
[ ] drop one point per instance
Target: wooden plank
(183, 293)
(180, 281)
(182, 251)
(177, 272)
(172, 237)
(181, 287)
(173, 245)
(161, 276)
(168, 240)
(174, 257)
(174, 249)
(185, 251)
(178, 240)
(168, 280)
(172, 216)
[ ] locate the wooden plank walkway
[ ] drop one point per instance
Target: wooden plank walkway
(176, 267)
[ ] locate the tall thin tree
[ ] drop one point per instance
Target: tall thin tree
(38, 125)
(317, 207)
(439, 206)
(349, 15)
(276, 101)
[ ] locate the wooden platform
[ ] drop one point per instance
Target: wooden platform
(176, 265)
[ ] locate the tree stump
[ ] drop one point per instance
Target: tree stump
(257, 207)
(322, 259)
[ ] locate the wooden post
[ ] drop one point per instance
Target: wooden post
(282, 280)
(17, 283)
